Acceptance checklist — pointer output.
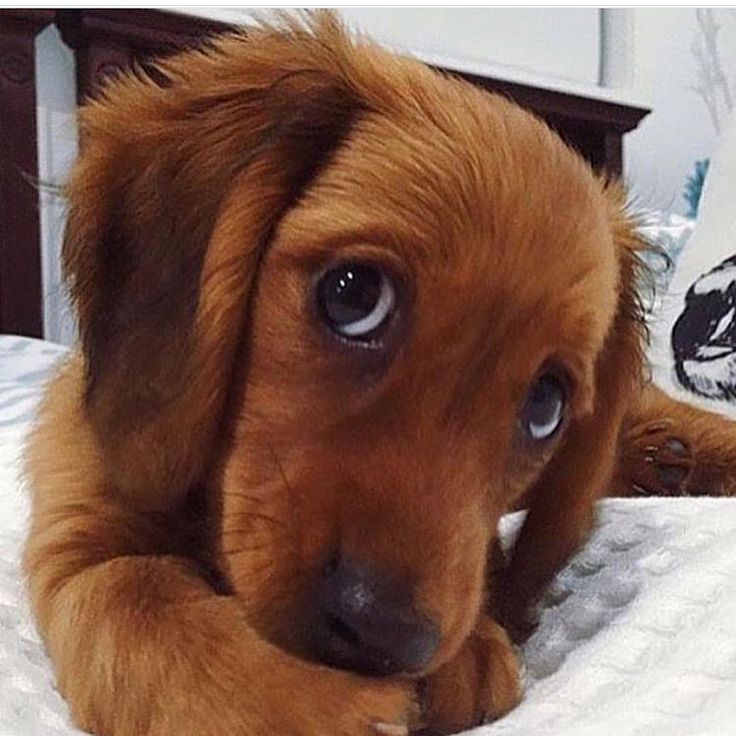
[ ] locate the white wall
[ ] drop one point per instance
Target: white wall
(561, 43)
(662, 152)
(57, 149)
(556, 42)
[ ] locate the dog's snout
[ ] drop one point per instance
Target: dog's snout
(368, 624)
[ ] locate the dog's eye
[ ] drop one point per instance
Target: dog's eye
(545, 405)
(355, 300)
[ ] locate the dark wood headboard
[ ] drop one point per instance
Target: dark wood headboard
(106, 41)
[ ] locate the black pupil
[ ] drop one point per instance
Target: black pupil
(544, 405)
(349, 293)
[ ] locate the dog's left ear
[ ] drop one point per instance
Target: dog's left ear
(561, 505)
(174, 199)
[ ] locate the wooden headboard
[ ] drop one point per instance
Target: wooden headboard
(106, 41)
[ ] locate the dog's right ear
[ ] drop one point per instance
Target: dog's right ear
(159, 275)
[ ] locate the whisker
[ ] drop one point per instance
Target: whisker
(280, 468)
(261, 517)
(249, 531)
(251, 522)
(253, 547)
(242, 550)
(252, 572)
(245, 495)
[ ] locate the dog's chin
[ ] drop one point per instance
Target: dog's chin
(330, 643)
(335, 646)
(299, 634)
(336, 650)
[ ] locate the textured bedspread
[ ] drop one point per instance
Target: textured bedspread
(29, 704)
(637, 637)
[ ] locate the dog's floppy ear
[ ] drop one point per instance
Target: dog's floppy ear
(160, 281)
(562, 502)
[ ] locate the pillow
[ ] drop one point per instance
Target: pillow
(669, 232)
(693, 325)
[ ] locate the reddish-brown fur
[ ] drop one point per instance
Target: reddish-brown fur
(197, 461)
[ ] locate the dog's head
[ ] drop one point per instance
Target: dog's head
(357, 300)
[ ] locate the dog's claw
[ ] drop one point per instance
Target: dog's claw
(413, 723)
(391, 729)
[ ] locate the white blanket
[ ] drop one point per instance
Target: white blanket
(637, 636)
(29, 704)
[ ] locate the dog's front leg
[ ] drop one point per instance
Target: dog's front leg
(141, 644)
(142, 647)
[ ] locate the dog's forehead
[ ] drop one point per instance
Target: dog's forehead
(502, 230)
(484, 196)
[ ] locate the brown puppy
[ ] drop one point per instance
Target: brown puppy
(338, 314)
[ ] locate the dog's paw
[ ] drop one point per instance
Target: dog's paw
(366, 707)
(392, 709)
(657, 462)
(480, 684)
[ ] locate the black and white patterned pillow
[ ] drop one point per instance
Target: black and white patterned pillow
(693, 325)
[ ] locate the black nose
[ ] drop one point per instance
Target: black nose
(367, 624)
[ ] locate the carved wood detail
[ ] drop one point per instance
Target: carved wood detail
(20, 255)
